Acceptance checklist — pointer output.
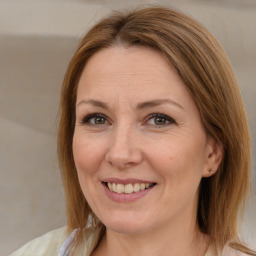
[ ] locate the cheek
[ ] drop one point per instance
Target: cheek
(178, 159)
(87, 158)
(180, 166)
(87, 154)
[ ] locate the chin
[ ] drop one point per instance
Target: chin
(126, 229)
(124, 226)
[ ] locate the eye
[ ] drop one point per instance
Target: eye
(160, 120)
(95, 119)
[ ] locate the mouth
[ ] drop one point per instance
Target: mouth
(127, 188)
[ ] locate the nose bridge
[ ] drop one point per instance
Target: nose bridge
(123, 150)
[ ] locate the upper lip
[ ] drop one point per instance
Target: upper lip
(125, 181)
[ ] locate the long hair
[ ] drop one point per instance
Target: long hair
(206, 71)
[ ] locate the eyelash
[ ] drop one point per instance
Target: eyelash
(86, 120)
(162, 116)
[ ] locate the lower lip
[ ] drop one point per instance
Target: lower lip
(126, 197)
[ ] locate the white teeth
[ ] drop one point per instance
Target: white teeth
(128, 188)
(110, 185)
(120, 188)
(136, 187)
(142, 186)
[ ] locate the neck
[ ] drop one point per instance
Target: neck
(175, 240)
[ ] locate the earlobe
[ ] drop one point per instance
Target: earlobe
(214, 154)
(210, 170)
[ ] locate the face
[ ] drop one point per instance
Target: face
(139, 145)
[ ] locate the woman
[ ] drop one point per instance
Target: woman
(153, 142)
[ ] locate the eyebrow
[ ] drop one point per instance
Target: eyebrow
(142, 105)
(95, 103)
(154, 103)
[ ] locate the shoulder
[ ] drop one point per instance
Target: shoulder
(228, 251)
(47, 244)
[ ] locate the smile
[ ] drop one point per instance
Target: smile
(128, 188)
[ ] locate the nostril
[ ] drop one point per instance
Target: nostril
(123, 156)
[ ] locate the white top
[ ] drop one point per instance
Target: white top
(57, 243)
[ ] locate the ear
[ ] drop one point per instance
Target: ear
(214, 154)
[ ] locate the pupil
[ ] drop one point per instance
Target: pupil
(160, 120)
(99, 120)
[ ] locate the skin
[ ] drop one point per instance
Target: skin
(126, 142)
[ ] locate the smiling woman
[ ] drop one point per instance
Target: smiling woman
(153, 142)
(140, 160)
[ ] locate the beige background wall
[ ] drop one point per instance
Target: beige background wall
(37, 38)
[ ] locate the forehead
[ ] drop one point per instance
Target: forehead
(123, 78)
(126, 57)
(131, 68)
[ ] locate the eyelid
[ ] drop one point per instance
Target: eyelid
(168, 118)
(86, 119)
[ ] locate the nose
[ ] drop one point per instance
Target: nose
(124, 150)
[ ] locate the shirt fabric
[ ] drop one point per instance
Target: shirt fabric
(57, 243)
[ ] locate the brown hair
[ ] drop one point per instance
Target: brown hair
(208, 75)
